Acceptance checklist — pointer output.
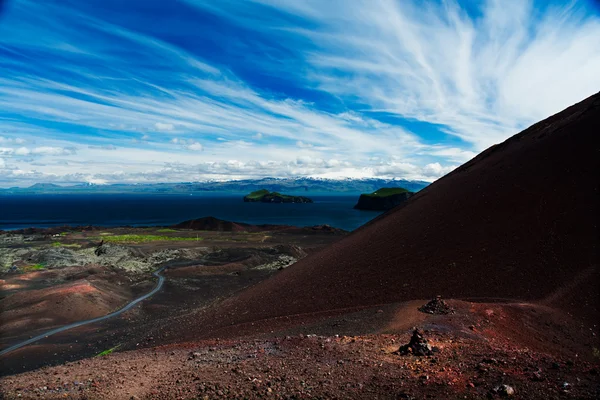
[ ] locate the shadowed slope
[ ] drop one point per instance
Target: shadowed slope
(517, 222)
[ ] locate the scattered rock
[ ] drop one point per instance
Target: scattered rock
(537, 376)
(437, 306)
(504, 390)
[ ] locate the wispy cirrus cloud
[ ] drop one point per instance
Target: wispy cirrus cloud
(247, 89)
(481, 71)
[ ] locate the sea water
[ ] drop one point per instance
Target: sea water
(23, 211)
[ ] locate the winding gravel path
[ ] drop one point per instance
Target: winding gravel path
(161, 280)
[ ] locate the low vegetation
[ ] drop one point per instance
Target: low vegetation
(35, 267)
(167, 230)
(108, 351)
(130, 238)
(71, 245)
(257, 195)
(384, 192)
(265, 196)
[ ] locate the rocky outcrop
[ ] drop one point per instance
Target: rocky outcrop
(316, 230)
(219, 225)
(211, 224)
(264, 196)
(384, 201)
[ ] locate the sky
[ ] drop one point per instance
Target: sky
(137, 91)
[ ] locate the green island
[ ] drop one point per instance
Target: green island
(383, 199)
(264, 196)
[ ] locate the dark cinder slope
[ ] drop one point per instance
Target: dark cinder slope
(518, 222)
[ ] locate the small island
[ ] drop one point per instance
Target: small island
(264, 196)
(383, 199)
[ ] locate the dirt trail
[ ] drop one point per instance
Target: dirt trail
(129, 306)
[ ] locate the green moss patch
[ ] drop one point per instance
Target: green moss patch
(146, 238)
(35, 267)
(384, 192)
(108, 351)
(71, 245)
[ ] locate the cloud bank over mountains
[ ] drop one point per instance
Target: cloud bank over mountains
(110, 92)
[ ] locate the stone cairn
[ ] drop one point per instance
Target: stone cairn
(418, 346)
(437, 306)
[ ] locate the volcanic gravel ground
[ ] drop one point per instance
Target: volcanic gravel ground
(471, 363)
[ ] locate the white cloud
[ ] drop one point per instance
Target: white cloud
(105, 147)
(11, 140)
(194, 146)
(43, 150)
(187, 144)
(2, 163)
(484, 78)
(453, 154)
(164, 127)
(222, 170)
(48, 150)
(435, 170)
(95, 181)
(22, 151)
(303, 145)
(480, 79)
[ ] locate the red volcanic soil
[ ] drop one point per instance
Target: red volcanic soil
(516, 223)
(45, 299)
(58, 305)
(479, 350)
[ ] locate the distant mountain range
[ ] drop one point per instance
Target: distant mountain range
(287, 185)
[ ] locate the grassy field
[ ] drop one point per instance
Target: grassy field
(146, 238)
(259, 194)
(384, 192)
(71, 245)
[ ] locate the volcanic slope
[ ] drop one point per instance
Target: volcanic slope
(516, 223)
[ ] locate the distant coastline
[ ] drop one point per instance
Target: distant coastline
(139, 209)
(293, 186)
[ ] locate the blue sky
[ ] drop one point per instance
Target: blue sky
(107, 91)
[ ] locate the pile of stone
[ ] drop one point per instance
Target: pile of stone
(101, 249)
(437, 306)
(418, 346)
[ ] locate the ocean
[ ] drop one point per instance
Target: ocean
(42, 211)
